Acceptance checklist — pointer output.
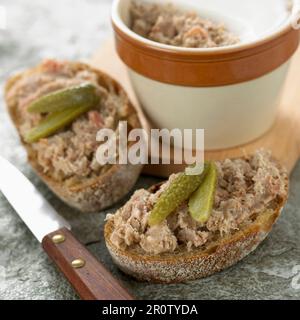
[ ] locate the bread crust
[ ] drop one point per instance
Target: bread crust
(199, 263)
(92, 194)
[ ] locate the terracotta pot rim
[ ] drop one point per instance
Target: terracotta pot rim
(201, 56)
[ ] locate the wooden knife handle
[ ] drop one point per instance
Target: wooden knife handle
(88, 276)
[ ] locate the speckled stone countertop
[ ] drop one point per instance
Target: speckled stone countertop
(74, 29)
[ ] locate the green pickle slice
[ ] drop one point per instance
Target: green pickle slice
(179, 190)
(69, 98)
(202, 200)
(54, 122)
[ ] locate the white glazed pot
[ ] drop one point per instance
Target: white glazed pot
(231, 92)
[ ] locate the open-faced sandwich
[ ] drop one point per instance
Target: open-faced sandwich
(58, 107)
(193, 226)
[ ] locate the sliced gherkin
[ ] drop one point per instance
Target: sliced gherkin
(69, 98)
(179, 191)
(54, 122)
(202, 200)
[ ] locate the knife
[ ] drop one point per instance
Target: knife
(86, 274)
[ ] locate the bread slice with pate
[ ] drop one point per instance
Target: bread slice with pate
(249, 196)
(66, 161)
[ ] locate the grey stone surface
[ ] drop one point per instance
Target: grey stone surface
(74, 29)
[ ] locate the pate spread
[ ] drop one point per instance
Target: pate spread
(169, 25)
(245, 188)
(71, 153)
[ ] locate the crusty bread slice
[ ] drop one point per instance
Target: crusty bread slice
(183, 265)
(92, 194)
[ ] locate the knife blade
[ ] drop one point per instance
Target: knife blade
(86, 274)
(39, 216)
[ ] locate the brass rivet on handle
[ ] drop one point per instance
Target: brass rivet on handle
(78, 263)
(58, 238)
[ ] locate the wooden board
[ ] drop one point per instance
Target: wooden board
(283, 138)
